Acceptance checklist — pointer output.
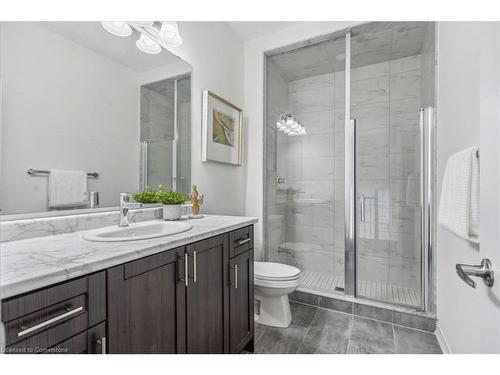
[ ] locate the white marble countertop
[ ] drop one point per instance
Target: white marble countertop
(33, 263)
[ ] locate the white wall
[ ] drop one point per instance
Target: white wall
(216, 56)
(467, 96)
(253, 106)
(95, 130)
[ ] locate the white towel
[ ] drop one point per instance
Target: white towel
(67, 188)
(459, 204)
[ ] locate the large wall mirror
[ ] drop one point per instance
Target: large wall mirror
(76, 98)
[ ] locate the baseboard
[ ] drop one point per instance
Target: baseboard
(445, 348)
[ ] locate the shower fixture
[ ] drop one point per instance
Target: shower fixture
(290, 126)
(152, 38)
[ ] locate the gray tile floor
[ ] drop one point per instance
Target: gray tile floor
(315, 330)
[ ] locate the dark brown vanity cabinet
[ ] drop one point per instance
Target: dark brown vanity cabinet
(64, 318)
(196, 298)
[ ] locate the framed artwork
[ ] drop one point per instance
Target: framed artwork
(222, 130)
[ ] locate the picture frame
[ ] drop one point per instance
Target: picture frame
(222, 131)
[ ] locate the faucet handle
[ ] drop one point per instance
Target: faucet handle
(125, 197)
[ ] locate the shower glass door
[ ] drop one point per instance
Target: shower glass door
(304, 174)
(385, 99)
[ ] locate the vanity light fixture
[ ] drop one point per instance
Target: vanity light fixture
(290, 126)
(147, 45)
(153, 35)
(118, 28)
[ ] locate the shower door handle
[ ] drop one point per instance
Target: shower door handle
(483, 270)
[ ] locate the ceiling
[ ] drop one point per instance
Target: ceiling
(248, 30)
(123, 51)
(370, 44)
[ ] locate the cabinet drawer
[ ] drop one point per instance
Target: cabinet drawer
(240, 240)
(39, 320)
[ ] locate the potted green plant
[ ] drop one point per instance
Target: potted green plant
(146, 197)
(173, 204)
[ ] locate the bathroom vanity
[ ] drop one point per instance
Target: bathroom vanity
(187, 293)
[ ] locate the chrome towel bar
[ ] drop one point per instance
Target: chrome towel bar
(32, 172)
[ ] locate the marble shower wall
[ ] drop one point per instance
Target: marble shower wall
(310, 175)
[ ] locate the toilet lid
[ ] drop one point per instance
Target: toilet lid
(275, 271)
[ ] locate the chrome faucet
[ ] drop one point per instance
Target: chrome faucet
(125, 205)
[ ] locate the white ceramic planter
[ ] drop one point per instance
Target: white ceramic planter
(174, 211)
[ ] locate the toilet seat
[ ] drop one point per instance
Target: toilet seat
(269, 271)
(278, 284)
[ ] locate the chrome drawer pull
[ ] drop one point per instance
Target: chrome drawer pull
(186, 270)
(241, 242)
(235, 276)
(49, 322)
(194, 266)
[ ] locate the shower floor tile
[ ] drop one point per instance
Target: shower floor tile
(376, 290)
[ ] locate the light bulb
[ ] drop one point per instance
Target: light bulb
(169, 30)
(176, 41)
(118, 28)
(170, 34)
(147, 45)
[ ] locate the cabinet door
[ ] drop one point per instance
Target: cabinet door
(241, 301)
(146, 300)
(207, 297)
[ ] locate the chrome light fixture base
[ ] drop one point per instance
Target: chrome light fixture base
(153, 35)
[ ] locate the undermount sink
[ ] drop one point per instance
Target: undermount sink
(135, 232)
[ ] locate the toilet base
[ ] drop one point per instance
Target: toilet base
(274, 311)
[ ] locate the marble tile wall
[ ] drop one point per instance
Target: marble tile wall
(157, 116)
(311, 176)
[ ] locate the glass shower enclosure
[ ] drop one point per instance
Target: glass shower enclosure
(346, 201)
(165, 134)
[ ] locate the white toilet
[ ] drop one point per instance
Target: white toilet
(273, 282)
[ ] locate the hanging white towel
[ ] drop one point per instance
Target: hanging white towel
(459, 203)
(67, 188)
